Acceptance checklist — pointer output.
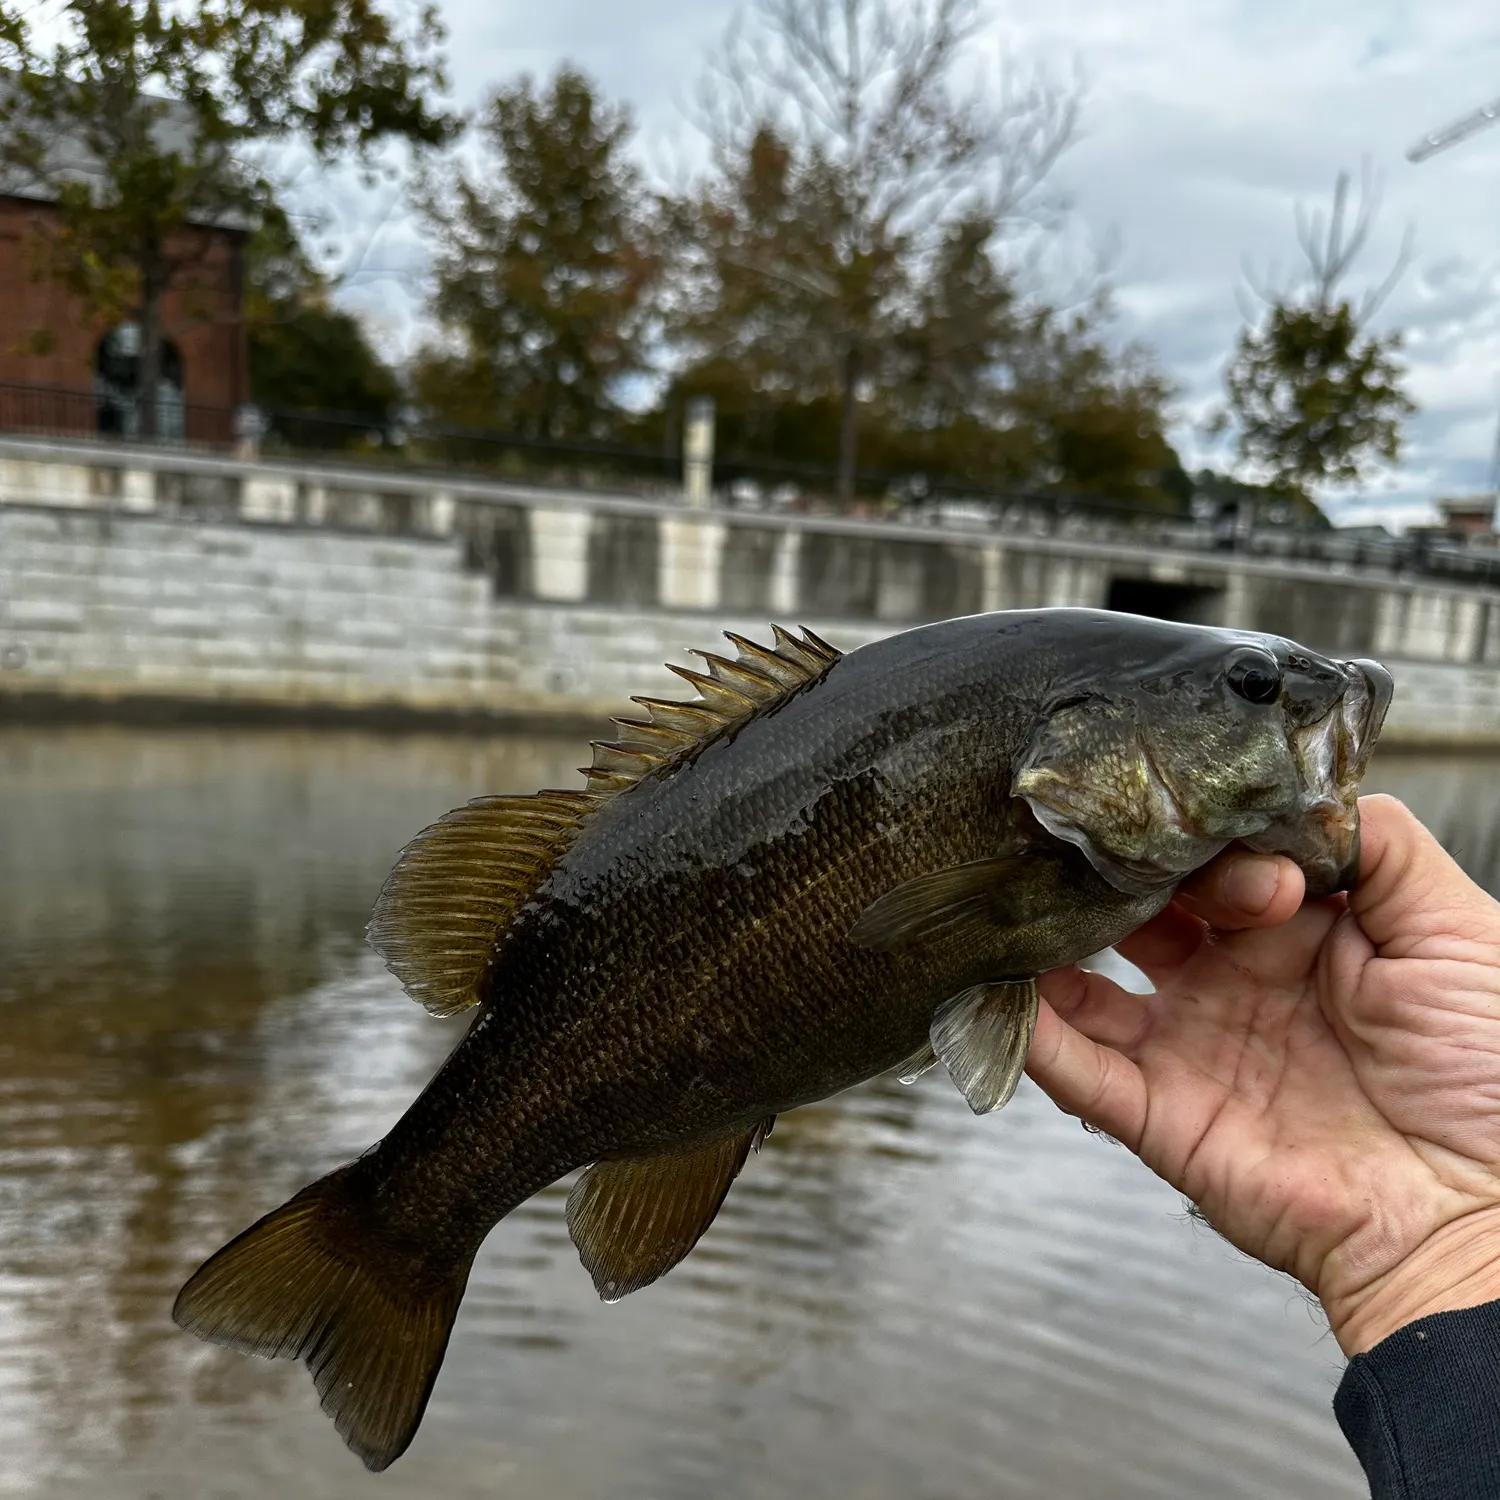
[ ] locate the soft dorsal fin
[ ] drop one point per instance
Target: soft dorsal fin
(460, 884)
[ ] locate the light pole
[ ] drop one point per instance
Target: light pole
(1450, 135)
(1430, 144)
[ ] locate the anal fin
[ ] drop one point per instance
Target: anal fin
(982, 1035)
(634, 1218)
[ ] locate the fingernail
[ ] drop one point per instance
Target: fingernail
(1250, 882)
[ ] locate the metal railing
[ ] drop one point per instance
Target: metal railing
(414, 453)
(414, 442)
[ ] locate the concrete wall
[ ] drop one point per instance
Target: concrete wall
(115, 606)
(118, 606)
(209, 582)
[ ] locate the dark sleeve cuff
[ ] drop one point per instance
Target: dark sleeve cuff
(1422, 1408)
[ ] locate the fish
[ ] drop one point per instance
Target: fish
(820, 868)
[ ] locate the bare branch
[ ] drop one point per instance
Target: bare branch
(1330, 246)
(1374, 299)
(860, 197)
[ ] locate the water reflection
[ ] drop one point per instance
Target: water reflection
(1455, 796)
(897, 1300)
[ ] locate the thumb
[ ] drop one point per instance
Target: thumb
(1080, 1076)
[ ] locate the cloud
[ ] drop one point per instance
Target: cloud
(1207, 122)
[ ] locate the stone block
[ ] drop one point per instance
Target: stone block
(268, 497)
(43, 614)
(138, 491)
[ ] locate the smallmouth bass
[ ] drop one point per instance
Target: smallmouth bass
(821, 869)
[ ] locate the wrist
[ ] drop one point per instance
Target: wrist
(1457, 1266)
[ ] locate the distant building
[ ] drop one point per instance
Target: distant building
(62, 369)
(1470, 518)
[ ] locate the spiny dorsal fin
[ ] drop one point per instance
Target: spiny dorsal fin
(459, 884)
(729, 694)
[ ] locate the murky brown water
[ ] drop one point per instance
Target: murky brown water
(897, 1300)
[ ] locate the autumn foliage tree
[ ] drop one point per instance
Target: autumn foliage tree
(145, 119)
(844, 152)
(545, 261)
(963, 376)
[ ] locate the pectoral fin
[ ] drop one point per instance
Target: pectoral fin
(941, 904)
(633, 1219)
(982, 1035)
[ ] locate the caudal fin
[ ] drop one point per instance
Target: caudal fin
(305, 1283)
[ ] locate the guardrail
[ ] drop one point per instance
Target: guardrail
(415, 499)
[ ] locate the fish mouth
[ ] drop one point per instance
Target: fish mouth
(1332, 754)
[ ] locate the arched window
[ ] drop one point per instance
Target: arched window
(117, 367)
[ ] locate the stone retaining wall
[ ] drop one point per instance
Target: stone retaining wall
(118, 606)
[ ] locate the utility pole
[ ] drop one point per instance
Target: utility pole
(1430, 144)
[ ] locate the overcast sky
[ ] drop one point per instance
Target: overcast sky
(1206, 122)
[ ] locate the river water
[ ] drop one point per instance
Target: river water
(898, 1300)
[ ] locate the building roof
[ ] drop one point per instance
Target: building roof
(1468, 507)
(70, 157)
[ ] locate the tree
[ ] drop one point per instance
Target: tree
(843, 156)
(979, 386)
(306, 354)
(141, 120)
(1097, 414)
(966, 325)
(1317, 399)
(546, 259)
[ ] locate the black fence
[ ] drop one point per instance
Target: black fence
(743, 482)
(412, 441)
(52, 411)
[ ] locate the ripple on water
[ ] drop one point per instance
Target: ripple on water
(897, 1299)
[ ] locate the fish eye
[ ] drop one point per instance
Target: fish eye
(1256, 678)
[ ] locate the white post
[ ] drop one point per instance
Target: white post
(784, 593)
(559, 554)
(689, 563)
(698, 452)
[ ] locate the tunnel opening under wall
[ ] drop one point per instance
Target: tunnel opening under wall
(1191, 603)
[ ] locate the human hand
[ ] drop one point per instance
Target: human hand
(1322, 1080)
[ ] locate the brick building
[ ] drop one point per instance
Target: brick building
(63, 369)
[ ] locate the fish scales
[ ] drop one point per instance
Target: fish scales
(664, 907)
(862, 864)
